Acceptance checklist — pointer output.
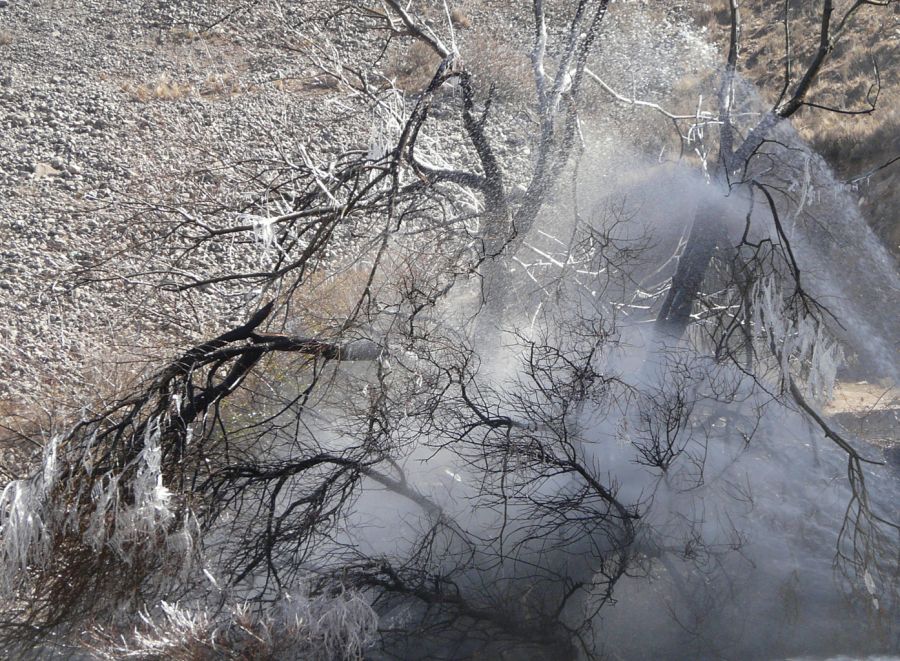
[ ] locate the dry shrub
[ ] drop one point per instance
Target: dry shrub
(414, 67)
(319, 86)
(316, 309)
(18, 426)
(324, 302)
(6, 38)
(53, 396)
(503, 64)
(460, 19)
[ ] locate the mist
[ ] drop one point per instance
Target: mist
(744, 544)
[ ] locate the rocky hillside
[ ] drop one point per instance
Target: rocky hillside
(116, 117)
(862, 81)
(119, 117)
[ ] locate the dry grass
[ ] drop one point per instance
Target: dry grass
(846, 79)
(711, 15)
(6, 38)
(220, 85)
(850, 142)
(843, 83)
(164, 88)
(161, 89)
(183, 35)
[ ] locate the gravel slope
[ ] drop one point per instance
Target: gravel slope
(106, 109)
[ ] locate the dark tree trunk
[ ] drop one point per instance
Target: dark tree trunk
(706, 233)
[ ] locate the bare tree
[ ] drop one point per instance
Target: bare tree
(494, 407)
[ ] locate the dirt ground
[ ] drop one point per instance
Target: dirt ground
(869, 410)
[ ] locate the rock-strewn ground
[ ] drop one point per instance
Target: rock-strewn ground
(108, 109)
